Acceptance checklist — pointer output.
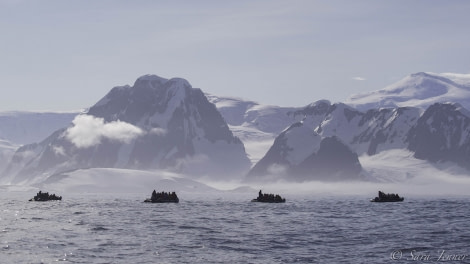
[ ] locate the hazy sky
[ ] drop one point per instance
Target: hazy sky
(66, 55)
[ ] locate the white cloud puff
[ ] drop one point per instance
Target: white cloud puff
(158, 131)
(89, 131)
(277, 169)
(359, 78)
(58, 150)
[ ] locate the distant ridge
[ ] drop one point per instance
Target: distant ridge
(417, 90)
(166, 125)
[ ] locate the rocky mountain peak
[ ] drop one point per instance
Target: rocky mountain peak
(156, 124)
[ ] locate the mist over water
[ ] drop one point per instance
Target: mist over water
(420, 186)
(102, 219)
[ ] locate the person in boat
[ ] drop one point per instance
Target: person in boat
(268, 197)
(381, 195)
(387, 197)
(154, 196)
(45, 196)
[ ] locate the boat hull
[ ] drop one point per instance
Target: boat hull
(161, 201)
(387, 200)
(279, 201)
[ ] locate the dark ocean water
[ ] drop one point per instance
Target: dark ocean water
(103, 229)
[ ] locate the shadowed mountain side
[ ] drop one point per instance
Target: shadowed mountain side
(300, 154)
(161, 124)
(442, 133)
(155, 124)
(334, 161)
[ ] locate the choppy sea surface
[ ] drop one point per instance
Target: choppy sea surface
(338, 229)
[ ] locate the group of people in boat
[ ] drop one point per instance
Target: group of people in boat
(163, 197)
(167, 197)
(269, 198)
(45, 196)
(387, 197)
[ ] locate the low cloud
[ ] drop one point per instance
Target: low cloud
(89, 131)
(157, 131)
(194, 162)
(58, 150)
(277, 169)
(359, 78)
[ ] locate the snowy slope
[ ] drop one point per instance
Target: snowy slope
(108, 180)
(439, 134)
(417, 90)
(194, 138)
(18, 128)
(7, 149)
(400, 166)
(369, 132)
(300, 154)
(256, 125)
(157, 123)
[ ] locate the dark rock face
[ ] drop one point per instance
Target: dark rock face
(325, 144)
(313, 158)
(173, 105)
(442, 134)
(276, 155)
(179, 130)
(319, 108)
(334, 161)
(365, 132)
(382, 129)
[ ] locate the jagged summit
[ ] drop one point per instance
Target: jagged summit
(151, 78)
(149, 96)
(157, 123)
(165, 124)
(319, 103)
(157, 82)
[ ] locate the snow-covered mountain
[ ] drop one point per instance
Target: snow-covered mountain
(259, 125)
(111, 180)
(7, 149)
(298, 153)
(161, 124)
(442, 134)
(18, 128)
(417, 90)
(255, 124)
(439, 134)
(268, 119)
(366, 132)
(314, 148)
(155, 124)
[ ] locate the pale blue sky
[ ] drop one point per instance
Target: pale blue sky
(66, 55)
